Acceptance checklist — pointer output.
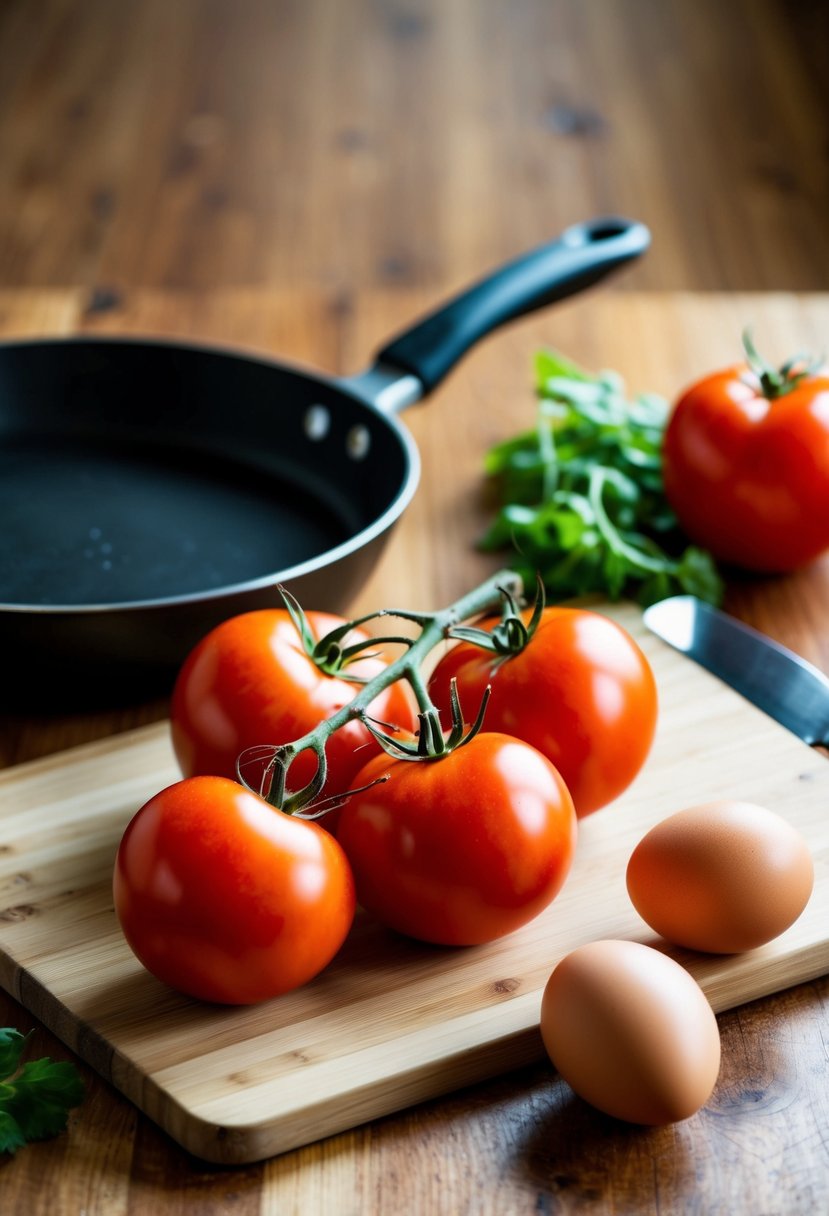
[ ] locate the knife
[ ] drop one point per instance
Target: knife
(772, 677)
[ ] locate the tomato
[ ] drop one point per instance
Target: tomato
(225, 898)
(462, 849)
(250, 682)
(748, 474)
(581, 691)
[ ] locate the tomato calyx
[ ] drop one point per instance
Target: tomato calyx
(512, 634)
(432, 741)
(329, 653)
(777, 382)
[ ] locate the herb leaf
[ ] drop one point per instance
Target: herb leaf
(35, 1100)
(580, 498)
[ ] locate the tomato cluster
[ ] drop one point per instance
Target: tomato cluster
(229, 898)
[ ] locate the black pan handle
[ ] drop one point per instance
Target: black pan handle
(579, 257)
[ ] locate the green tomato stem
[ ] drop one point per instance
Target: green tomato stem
(434, 629)
(776, 382)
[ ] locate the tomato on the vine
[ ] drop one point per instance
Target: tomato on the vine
(581, 691)
(460, 849)
(746, 464)
(251, 682)
(226, 898)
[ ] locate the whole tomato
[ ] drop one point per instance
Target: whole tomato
(581, 692)
(250, 682)
(462, 849)
(225, 898)
(746, 466)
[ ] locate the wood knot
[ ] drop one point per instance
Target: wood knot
(505, 987)
(103, 299)
(18, 912)
(575, 122)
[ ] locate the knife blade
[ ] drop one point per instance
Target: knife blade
(774, 678)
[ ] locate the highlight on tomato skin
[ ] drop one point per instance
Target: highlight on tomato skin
(464, 849)
(249, 682)
(746, 465)
(581, 691)
(225, 898)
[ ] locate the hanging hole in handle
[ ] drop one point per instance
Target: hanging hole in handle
(607, 230)
(595, 233)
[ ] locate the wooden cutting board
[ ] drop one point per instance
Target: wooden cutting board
(390, 1022)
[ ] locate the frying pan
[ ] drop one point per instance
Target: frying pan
(150, 489)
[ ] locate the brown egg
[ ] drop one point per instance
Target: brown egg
(631, 1032)
(723, 877)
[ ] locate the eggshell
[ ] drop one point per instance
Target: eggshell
(722, 877)
(631, 1032)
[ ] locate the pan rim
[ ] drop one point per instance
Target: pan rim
(329, 557)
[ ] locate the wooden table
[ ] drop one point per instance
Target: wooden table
(520, 1143)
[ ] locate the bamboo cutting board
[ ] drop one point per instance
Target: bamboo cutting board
(390, 1022)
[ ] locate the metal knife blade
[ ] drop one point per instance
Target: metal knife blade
(775, 679)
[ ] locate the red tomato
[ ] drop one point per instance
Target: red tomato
(581, 692)
(748, 477)
(226, 898)
(250, 682)
(462, 849)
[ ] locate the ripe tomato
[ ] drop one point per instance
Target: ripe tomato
(226, 898)
(581, 692)
(462, 849)
(748, 476)
(250, 682)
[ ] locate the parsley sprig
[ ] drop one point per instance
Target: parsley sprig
(581, 499)
(35, 1099)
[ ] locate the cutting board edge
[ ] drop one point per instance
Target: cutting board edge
(89, 751)
(224, 1142)
(246, 1142)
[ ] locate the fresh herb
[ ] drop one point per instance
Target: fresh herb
(581, 498)
(35, 1099)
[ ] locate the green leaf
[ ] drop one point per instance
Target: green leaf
(580, 498)
(45, 1092)
(550, 364)
(698, 575)
(11, 1137)
(12, 1043)
(34, 1101)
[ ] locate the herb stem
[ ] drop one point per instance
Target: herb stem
(637, 557)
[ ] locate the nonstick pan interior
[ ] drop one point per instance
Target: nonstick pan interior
(136, 472)
(150, 490)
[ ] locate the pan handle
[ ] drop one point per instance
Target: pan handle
(415, 362)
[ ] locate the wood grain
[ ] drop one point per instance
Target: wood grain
(215, 143)
(520, 1141)
(245, 170)
(390, 1022)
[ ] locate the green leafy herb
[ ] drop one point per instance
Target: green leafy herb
(35, 1099)
(581, 499)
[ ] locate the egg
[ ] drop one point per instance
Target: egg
(722, 877)
(631, 1032)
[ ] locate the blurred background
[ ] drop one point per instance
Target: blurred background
(207, 144)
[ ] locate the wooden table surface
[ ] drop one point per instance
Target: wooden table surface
(301, 177)
(522, 1142)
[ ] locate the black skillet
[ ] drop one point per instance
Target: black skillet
(149, 490)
